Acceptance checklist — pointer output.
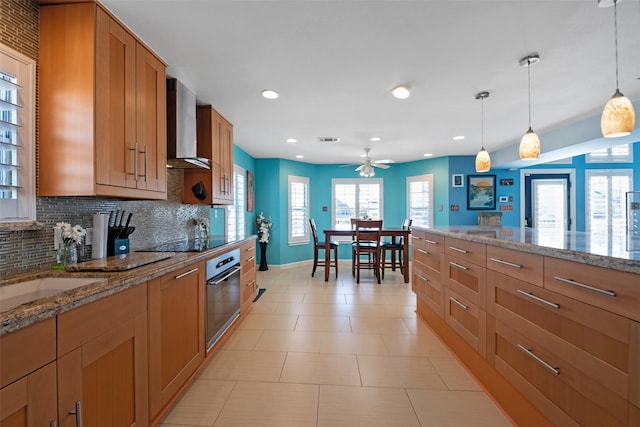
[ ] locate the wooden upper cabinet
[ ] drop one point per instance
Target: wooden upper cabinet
(215, 141)
(102, 107)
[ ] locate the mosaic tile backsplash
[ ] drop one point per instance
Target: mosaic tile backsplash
(155, 221)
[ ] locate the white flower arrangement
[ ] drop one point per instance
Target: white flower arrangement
(70, 234)
(264, 224)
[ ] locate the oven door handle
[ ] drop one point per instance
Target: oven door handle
(231, 272)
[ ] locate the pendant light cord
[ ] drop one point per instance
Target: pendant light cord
(482, 122)
(615, 21)
(529, 86)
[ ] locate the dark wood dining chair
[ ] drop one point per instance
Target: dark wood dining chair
(368, 234)
(320, 245)
(396, 249)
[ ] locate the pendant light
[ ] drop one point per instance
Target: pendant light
(483, 160)
(618, 116)
(530, 143)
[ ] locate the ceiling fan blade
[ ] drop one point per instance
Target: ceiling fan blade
(359, 168)
(350, 164)
(380, 165)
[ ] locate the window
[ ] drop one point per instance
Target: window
(17, 135)
(235, 213)
(606, 204)
(618, 154)
(420, 200)
(355, 198)
(298, 210)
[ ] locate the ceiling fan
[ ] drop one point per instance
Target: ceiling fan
(366, 167)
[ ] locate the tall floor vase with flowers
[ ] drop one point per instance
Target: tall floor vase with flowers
(264, 224)
(68, 248)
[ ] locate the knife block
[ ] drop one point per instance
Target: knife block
(118, 247)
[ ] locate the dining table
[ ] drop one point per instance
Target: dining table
(394, 233)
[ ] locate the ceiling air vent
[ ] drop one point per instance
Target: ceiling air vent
(328, 139)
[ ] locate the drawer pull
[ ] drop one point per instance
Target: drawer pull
(455, 264)
(422, 251)
(582, 285)
(433, 242)
(510, 264)
(414, 237)
(542, 300)
(251, 259)
(78, 414)
(186, 273)
(250, 283)
(462, 251)
(424, 279)
(53, 424)
(250, 249)
(539, 360)
(464, 307)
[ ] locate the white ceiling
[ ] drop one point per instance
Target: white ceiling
(335, 62)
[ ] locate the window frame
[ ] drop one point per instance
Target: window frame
(305, 238)
(239, 204)
(610, 157)
(357, 182)
(421, 178)
(608, 173)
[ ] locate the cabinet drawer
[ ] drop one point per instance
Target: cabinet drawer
(27, 349)
(615, 291)
(467, 279)
(248, 252)
(466, 319)
(429, 258)
(521, 265)
(469, 251)
(551, 377)
(428, 287)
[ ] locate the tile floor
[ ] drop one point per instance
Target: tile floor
(321, 354)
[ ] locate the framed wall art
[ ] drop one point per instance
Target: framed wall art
(457, 180)
(481, 192)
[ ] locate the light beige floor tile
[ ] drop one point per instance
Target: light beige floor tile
(417, 326)
(275, 296)
(415, 345)
(342, 406)
(303, 342)
(323, 323)
(312, 368)
(242, 339)
(324, 299)
(378, 325)
(394, 310)
(399, 372)
(268, 404)
(456, 408)
(245, 365)
(264, 307)
(201, 404)
(269, 321)
(349, 343)
(454, 375)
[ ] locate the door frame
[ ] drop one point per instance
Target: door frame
(572, 191)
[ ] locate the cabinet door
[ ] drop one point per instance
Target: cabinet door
(226, 158)
(176, 332)
(30, 401)
(248, 285)
(115, 103)
(151, 129)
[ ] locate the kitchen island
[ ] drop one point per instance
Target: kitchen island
(547, 322)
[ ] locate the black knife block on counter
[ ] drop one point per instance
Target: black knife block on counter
(118, 247)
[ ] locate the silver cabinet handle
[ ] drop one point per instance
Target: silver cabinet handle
(455, 264)
(186, 273)
(464, 307)
(510, 264)
(251, 259)
(422, 251)
(433, 242)
(78, 414)
(252, 248)
(144, 154)
(582, 285)
(415, 237)
(424, 279)
(458, 250)
(53, 424)
(536, 298)
(539, 360)
(251, 283)
(135, 161)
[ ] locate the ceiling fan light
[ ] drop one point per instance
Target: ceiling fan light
(401, 92)
(483, 161)
(618, 116)
(529, 146)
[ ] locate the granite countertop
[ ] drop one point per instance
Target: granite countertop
(618, 252)
(107, 283)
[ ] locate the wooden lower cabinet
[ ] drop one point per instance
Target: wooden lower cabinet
(466, 319)
(427, 285)
(176, 332)
(466, 278)
(102, 362)
(30, 401)
(248, 284)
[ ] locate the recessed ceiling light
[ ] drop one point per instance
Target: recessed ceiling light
(428, 154)
(270, 94)
(299, 156)
(292, 140)
(375, 139)
(401, 92)
(458, 138)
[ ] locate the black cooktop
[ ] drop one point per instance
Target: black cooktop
(191, 245)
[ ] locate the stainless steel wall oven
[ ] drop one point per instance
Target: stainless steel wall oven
(223, 294)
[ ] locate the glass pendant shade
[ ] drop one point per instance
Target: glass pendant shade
(530, 146)
(483, 161)
(618, 117)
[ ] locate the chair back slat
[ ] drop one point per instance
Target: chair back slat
(369, 231)
(314, 231)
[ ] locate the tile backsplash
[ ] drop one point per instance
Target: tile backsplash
(155, 221)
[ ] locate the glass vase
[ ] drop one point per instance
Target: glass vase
(67, 254)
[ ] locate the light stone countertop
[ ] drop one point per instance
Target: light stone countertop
(111, 283)
(617, 252)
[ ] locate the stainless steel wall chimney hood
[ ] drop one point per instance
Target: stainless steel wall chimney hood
(182, 147)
